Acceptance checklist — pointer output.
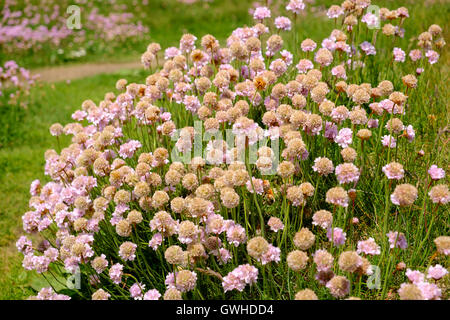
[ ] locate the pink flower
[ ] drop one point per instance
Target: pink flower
(224, 256)
(156, 241)
(363, 3)
(49, 294)
(216, 224)
(273, 133)
(295, 6)
(236, 235)
(399, 55)
(388, 141)
(27, 262)
(410, 133)
(187, 43)
(346, 173)
(304, 65)
(166, 116)
(115, 273)
(79, 115)
(436, 173)
(163, 224)
(247, 130)
(308, 45)
(275, 224)
(71, 264)
(127, 251)
(278, 66)
(344, 137)
(415, 276)
(35, 188)
(403, 12)
(339, 72)
(261, 13)
(191, 103)
(342, 46)
(41, 263)
(371, 20)
(152, 294)
(286, 56)
(436, 272)
(240, 277)
(331, 130)
(334, 12)
(432, 56)
(170, 280)
(339, 291)
(272, 254)
(329, 44)
(24, 245)
(368, 48)
(323, 265)
(171, 52)
(430, 291)
(376, 109)
(52, 254)
(368, 246)
(372, 123)
(439, 194)
(415, 54)
(127, 149)
(390, 106)
(339, 236)
(394, 171)
(397, 240)
(339, 114)
(136, 291)
(257, 186)
(283, 23)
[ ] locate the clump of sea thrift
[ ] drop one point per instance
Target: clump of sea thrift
(315, 181)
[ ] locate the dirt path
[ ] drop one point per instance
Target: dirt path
(62, 73)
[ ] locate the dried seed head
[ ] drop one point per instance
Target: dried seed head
(409, 291)
(257, 247)
(306, 294)
(304, 239)
(297, 260)
(404, 195)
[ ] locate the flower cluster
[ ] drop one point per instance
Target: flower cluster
(15, 82)
(149, 196)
